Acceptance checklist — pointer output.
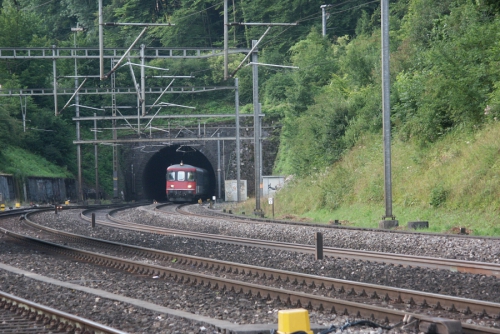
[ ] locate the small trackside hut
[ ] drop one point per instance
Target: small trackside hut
(186, 183)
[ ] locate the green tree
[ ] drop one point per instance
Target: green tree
(449, 84)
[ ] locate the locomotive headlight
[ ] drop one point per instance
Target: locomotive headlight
(190, 186)
(171, 186)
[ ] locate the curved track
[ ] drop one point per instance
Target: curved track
(360, 290)
(473, 267)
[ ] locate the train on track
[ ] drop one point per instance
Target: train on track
(186, 183)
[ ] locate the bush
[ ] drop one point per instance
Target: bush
(438, 196)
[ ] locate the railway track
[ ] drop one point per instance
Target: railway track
(401, 296)
(18, 315)
(396, 297)
(472, 267)
(217, 214)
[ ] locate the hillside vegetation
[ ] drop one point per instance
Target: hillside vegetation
(22, 163)
(451, 184)
(445, 95)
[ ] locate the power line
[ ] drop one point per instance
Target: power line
(43, 4)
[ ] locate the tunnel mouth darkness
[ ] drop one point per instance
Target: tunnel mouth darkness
(154, 177)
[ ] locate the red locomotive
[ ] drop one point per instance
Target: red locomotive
(186, 183)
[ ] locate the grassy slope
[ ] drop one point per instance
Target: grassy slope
(453, 183)
(21, 162)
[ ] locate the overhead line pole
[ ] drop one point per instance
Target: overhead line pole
(101, 43)
(225, 40)
(238, 158)
(77, 114)
(323, 18)
(256, 125)
(143, 80)
(386, 109)
(96, 164)
(54, 69)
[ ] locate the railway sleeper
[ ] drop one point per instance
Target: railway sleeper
(483, 314)
(438, 307)
(53, 323)
(62, 326)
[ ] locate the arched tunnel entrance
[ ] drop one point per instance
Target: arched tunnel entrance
(153, 178)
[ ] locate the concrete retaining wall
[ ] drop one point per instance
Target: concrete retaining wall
(7, 192)
(40, 190)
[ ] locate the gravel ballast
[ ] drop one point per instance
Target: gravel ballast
(227, 306)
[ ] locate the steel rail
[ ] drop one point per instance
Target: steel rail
(436, 301)
(246, 219)
(473, 267)
(292, 298)
(51, 317)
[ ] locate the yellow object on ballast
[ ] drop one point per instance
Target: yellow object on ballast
(291, 321)
(18, 205)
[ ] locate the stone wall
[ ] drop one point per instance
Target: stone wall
(137, 158)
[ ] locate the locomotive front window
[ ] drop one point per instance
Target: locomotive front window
(171, 176)
(181, 175)
(190, 176)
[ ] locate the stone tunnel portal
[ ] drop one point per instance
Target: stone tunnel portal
(154, 176)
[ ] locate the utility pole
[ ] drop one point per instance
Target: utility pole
(77, 113)
(101, 42)
(386, 118)
(219, 179)
(238, 157)
(116, 197)
(54, 72)
(225, 40)
(324, 18)
(96, 164)
(256, 127)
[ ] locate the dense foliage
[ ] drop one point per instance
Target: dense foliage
(444, 68)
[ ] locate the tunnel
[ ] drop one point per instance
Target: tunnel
(154, 176)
